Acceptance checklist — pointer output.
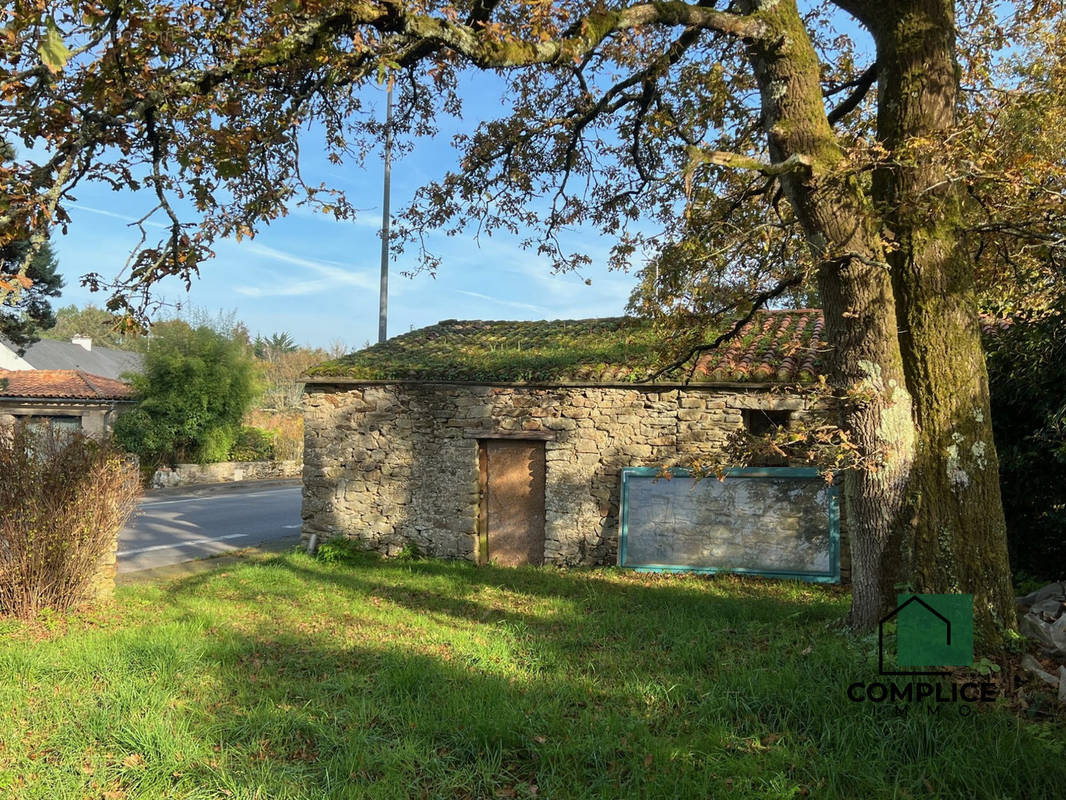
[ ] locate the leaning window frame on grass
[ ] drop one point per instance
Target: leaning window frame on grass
(832, 521)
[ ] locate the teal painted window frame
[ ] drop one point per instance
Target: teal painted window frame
(833, 496)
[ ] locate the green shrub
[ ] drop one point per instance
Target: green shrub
(64, 500)
(339, 550)
(196, 387)
(215, 445)
(253, 444)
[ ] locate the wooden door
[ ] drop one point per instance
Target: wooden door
(512, 476)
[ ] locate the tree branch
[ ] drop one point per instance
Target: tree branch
(721, 158)
(758, 303)
(850, 103)
(588, 32)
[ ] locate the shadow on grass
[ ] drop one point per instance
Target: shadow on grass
(432, 679)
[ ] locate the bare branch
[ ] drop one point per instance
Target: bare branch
(758, 303)
(862, 86)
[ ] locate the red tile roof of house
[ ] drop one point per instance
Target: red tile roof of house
(61, 384)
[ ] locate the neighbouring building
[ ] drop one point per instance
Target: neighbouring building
(507, 441)
(62, 399)
(77, 354)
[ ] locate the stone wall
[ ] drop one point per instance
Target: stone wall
(388, 465)
(224, 472)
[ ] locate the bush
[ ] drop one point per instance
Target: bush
(64, 500)
(287, 428)
(339, 550)
(196, 386)
(253, 444)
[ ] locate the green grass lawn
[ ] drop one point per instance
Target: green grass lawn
(294, 678)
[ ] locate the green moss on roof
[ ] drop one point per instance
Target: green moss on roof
(778, 346)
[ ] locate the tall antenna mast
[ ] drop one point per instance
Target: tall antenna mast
(383, 299)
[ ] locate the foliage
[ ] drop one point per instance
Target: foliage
(196, 386)
(286, 429)
(253, 444)
(105, 329)
(282, 388)
(293, 678)
(340, 549)
(274, 346)
(21, 323)
(65, 498)
(1027, 372)
(657, 105)
(1020, 254)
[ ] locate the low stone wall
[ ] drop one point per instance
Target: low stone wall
(225, 472)
(388, 465)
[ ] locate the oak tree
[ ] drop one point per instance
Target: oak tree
(743, 150)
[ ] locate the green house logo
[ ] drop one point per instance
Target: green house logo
(932, 630)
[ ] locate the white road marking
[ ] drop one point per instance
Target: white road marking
(190, 543)
(194, 498)
(292, 526)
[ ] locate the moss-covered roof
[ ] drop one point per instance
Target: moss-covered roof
(776, 346)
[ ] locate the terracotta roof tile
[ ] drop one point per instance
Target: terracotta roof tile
(776, 346)
(61, 384)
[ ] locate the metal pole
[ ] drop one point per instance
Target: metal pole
(383, 301)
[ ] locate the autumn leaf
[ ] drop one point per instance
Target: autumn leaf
(133, 760)
(54, 53)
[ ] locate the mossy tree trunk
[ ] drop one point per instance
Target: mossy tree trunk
(900, 315)
(865, 362)
(959, 539)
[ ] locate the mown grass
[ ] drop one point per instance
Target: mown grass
(295, 678)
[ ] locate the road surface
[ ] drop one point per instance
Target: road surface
(169, 528)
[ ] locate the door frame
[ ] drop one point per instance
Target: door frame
(481, 545)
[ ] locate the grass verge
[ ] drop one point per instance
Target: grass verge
(292, 678)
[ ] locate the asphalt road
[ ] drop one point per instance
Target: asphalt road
(170, 528)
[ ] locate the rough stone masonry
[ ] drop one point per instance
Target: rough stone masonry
(398, 463)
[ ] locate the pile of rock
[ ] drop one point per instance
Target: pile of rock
(1043, 622)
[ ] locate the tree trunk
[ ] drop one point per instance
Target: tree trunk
(865, 362)
(959, 541)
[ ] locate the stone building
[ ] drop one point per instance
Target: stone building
(506, 441)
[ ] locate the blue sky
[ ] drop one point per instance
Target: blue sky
(317, 278)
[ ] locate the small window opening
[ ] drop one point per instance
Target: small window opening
(761, 422)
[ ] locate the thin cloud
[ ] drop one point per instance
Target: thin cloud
(501, 302)
(105, 213)
(361, 220)
(286, 289)
(333, 275)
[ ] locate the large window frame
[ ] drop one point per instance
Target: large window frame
(629, 474)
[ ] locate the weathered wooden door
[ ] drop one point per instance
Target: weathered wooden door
(512, 484)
